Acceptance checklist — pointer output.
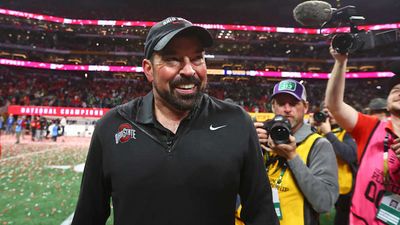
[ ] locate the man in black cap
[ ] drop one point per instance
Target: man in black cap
(175, 156)
(378, 147)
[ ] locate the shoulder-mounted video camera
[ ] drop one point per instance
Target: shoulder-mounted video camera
(357, 39)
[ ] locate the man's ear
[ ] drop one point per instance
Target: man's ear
(272, 105)
(306, 106)
(148, 69)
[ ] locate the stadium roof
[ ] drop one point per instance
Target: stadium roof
(248, 12)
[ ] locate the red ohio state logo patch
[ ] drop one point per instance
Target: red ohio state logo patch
(125, 133)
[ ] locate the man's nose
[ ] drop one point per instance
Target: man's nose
(187, 67)
(287, 107)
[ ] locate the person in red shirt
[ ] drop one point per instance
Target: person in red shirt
(378, 142)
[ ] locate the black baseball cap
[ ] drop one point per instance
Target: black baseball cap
(393, 81)
(164, 31)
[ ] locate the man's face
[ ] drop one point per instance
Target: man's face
(178, 73)
(291, 108)
(393, 101)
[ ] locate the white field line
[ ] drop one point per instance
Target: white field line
(29, 154)
(68, 221)
(61, 167)
(78, 168)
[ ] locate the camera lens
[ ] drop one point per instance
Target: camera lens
(319, 117)
(280, 134)
(342, 43)
(279, 129)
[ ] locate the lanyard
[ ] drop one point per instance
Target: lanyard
(278, 182)
(386, 174)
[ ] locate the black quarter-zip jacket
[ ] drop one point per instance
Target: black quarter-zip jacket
(155, 177)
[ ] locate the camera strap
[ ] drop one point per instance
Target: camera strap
(386, 175)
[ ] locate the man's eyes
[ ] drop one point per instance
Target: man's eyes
(395, 90)
(290, 103)
(197, 60)
(170, 59)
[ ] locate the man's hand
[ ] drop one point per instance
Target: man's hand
(261, 132)
(323, 127)
(288, 151)
(396, 147)
(340, 58)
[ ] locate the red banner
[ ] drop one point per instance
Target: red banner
(57, 111)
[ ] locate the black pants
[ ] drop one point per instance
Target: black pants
(342, 207)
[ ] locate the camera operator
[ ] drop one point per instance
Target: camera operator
(303, 171)
(345, 149)
(378, 146)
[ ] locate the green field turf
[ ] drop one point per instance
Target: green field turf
(32, 194)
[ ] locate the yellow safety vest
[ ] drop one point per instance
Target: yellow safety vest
(238, 221)
(345, 175)
(290, 197)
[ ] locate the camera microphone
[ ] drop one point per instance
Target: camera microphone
(313, 13)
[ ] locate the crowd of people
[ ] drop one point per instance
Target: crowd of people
(30, 87)
(70, 44)
(36, 128)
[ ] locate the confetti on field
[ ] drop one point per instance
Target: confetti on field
(37, 182)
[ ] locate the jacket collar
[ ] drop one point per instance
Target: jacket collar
(144, 113)
(302, 133)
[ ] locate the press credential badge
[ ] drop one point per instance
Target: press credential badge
(389, 209)
(277, 204)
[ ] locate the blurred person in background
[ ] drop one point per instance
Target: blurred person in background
(1, 124)
(26, 124)
(53, 130)
(175, 156)
(18, 129)
(10, 124)
(42, 128)
(377, 107)
(346, 155)
(378, 145)
(303, 170)
(63, 125)
(33, 125)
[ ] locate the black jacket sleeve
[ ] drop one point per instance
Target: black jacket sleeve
(255, 190)
(93, 206)
(346, 150)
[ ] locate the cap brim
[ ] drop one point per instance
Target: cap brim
(203, 34)
(286, 92)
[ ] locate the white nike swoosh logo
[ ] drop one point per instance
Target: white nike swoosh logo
(216, 128)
